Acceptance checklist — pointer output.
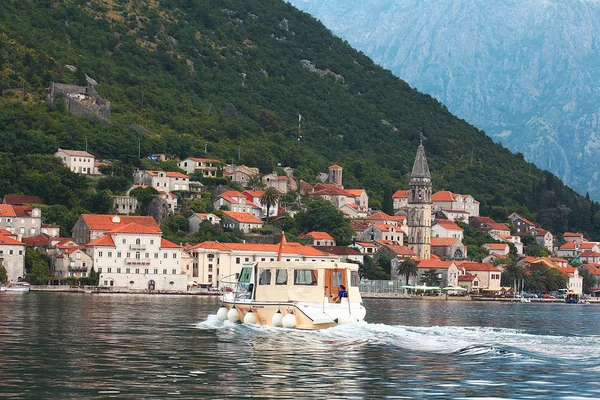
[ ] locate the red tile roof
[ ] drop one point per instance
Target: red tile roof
(498, 227)
(338, 250)
(475, 266)
(22, 211)
(443, 242)
(37, 241)
(540, 231)
(400, 194)
(448, 224)
(335, 166)
(571, 234)
(288, 248)
(355, 192)
(105, 240)
(594, 268)
(76, 153)
(204, 159)
(137, 228)
(17, 200)
(6, 210)
(443, 195)
(104, 222)
(169, 174)
(243, 217)
(7, 240)
(165, 244)
(466, 278)
(589, 254)
(434, 264)
(496, 246)
(401, 250)
(319, 235)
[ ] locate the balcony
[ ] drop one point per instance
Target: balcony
(137, 261)
(137, 247)
(78, 268)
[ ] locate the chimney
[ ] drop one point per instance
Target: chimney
(116, 219)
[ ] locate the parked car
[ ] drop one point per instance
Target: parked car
(547, 296)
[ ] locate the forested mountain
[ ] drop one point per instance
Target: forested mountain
(232, 76)
(524, 71)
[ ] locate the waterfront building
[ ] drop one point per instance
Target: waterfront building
(93, 226)
(73, 262)
(419, 207)
(135, 256)
(24, 221)
(487, 275)
(445, 271)
(12, 255)
(215, 260)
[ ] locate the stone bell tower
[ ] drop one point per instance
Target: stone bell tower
(419, 207)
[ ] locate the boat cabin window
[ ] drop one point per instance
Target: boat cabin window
(264, 276)
(245, 275)
(281, 277)
(307, 277)
(354, 278)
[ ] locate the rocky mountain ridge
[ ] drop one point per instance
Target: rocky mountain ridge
(524, 71)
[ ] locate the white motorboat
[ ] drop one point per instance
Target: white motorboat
(300, 295)
(15, 287)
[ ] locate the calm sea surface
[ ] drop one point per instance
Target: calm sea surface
(161, 347)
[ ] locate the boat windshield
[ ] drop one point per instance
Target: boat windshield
(245, 275)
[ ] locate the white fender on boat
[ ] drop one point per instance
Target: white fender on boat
(222, 314)
(289, 321)
(277, 319)
(250, 318)
(233, 315)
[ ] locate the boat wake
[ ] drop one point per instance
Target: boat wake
(460, 341)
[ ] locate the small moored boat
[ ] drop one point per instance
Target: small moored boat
(296, 295)
(572, 298)
(15, 287)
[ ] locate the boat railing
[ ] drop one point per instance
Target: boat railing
(231, 288)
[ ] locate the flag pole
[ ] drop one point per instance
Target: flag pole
(282, 243)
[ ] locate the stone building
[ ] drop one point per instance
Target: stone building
(79, 162)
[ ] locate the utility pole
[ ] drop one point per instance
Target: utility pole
(139, 148)
(205, 148)
(239, 149)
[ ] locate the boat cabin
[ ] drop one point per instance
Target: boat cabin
(293, 282)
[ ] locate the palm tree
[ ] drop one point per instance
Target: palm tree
(407, 268)
(269, 198)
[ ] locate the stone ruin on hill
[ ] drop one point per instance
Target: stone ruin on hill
(83, 101)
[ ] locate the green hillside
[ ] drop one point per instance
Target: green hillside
(235, 74)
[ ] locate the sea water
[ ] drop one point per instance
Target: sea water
(144, 346)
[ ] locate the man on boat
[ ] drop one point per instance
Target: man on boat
(341, 293)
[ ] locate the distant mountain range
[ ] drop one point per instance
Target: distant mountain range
(525, 71)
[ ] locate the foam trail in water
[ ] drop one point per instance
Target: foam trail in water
(458, 340)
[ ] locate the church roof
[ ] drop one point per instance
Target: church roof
(420, 167)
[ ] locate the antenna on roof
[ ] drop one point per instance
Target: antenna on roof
(422, 137)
